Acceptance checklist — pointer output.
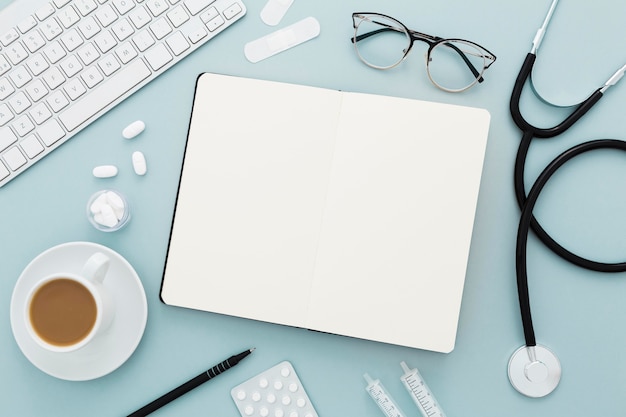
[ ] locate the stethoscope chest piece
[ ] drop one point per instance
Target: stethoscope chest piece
(534, 371)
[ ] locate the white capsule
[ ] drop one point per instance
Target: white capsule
(133, 129)
(139, 163)
(105, 171)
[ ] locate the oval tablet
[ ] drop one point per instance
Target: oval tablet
(133, 129)
(139, 163)
(105, 171)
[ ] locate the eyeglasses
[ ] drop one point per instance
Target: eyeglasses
(453, 65)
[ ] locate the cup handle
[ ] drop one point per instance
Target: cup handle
(96, 267)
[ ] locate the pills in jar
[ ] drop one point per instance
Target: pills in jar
(108, 210)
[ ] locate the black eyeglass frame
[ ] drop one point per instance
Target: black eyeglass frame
(432, 41)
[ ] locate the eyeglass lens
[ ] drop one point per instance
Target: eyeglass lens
(381, 42)
(455, 65)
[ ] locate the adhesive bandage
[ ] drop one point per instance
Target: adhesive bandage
(274, 11)
(282, 39)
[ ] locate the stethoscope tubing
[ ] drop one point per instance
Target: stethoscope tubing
(530, 132)
(526, 218)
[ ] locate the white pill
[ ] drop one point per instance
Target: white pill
(133, 129)
(96, 206)
(114, 200)
(105, 171)
(108, 218)
(139, 163)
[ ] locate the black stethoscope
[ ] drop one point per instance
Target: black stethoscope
(534, 370)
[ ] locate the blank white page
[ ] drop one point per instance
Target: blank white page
(251, 198)
(398, 221)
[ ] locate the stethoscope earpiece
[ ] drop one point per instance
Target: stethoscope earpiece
(534, 371)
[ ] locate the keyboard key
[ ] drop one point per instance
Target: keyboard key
(109, 65)
(74, 89)
(122, 29)
(85, 6)
(197, 35)
(177, 43)
(61, 3)
(158, 56)
(14, 158)
(71, 66)
(4, 172)
(157, 6)
(143, 40)
(123, 6)
(126, 52)
(139, 17)
(37, 64)
(34, 41)
(160, 28)
(20, 76)
(40, 113)
(16, 53)
(215, 23)
(68, 17)
(106, 15)
(209, 15)
(88, 27)
(19, 102)
(6, 115)
(92, 77)
(27, 24)
(232, 11)
(23, 126)
(31, 146)
(6, 89)
(45, 11)
(57, 101)
(51, 28)
(50, 132)
(53, 78)
(88, 54)
(196, 6)
(54, 52)
(71, 39)
(7, 138)
(4, 65)
(109, 91)
(36, 90)
(177, 16)
(105, 42)
(9, 37)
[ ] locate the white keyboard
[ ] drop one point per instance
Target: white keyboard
(72, 60)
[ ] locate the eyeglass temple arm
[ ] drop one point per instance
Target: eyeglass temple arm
(468, 62)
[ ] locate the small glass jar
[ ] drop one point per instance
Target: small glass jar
(108, 210)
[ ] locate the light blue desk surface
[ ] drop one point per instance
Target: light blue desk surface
(579, 314)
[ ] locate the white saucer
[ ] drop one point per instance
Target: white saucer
(109, 350)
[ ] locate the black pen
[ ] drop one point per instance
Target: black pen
(191, 384)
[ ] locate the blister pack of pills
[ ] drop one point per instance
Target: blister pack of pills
(276, 392)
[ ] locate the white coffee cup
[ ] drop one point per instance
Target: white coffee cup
(65, 311)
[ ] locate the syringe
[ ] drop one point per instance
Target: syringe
(424, 399)
(379, 394)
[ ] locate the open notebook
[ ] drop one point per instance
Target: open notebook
(341, 212)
